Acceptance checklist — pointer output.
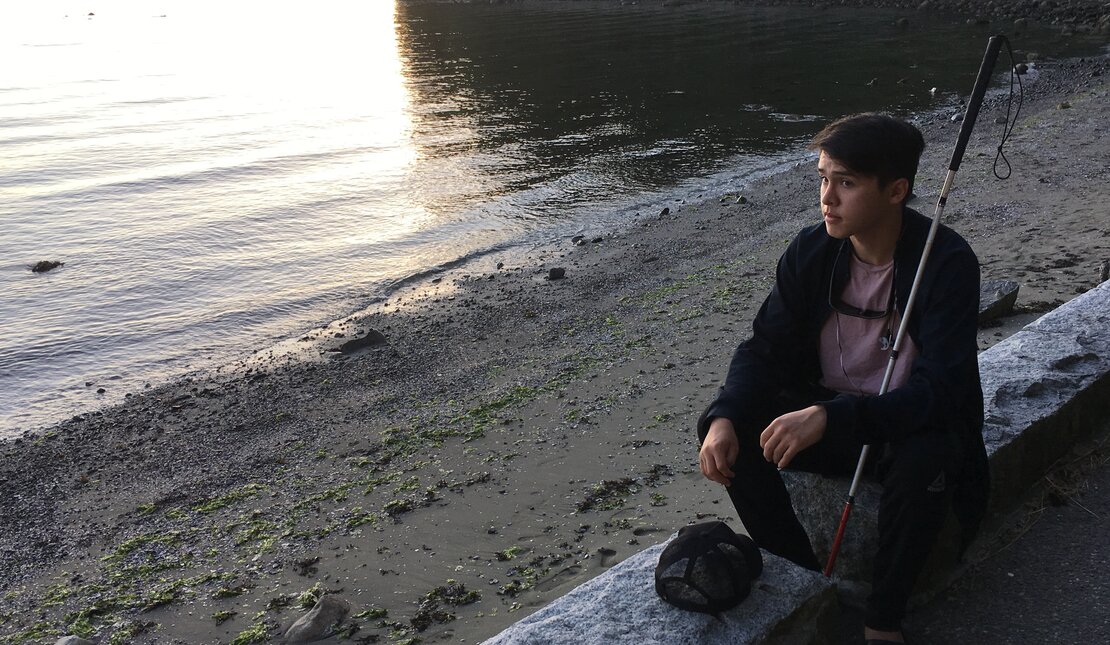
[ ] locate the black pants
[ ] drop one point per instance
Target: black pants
(915, 499)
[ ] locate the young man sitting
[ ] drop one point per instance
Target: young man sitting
(802, 391)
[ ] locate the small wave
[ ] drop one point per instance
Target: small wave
(210, 175)
(159, 101)
(783, 117)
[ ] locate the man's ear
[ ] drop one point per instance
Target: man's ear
(898, 190)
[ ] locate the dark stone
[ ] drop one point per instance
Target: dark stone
(665, 211)
(1020, 69)
(556, 273)
(42, 266)
(996, 299)
(372, 338)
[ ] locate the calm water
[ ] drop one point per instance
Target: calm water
(218, 176)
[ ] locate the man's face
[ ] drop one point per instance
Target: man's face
(854, 204)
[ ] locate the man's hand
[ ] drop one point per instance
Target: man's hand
(719, 451)
(792, 433)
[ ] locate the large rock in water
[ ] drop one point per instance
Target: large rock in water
(620, 607)
(42, 266)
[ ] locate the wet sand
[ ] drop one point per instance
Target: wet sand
(512, 436)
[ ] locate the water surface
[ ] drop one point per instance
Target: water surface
(218, 176)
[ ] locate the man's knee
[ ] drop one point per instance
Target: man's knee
(917, 477)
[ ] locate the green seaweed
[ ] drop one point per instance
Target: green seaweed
(358, 517)
(247, 491)
(334, 494)
(373, 613)
(507, 554)
(397, 507)
(41, 629)
(309, 597)
(608, 495)
(258, 632)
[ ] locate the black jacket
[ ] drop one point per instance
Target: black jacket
(942, 393)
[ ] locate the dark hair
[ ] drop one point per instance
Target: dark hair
(873, 144)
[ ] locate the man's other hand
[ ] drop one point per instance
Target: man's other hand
(719, 451)
(792, 433)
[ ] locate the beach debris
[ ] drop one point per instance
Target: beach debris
(372, 338)
(609, 495)
(72, 640)
(319, 622)
(556, 273)
(454, 593)
(42, 266)
(307, 566)
(956, 118)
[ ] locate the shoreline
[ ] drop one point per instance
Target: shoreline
(62, 387)
(513, 436)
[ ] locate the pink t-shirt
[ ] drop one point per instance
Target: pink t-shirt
(853, 360)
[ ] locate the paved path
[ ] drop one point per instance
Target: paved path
(1051, 585)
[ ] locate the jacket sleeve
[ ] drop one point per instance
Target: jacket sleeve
(764, 363)
(946, 367)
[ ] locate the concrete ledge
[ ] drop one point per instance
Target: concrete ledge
(788, 604)
(1045, 389)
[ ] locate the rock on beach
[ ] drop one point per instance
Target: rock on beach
(319, 621)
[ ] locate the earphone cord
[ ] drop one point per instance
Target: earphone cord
(1009, 127)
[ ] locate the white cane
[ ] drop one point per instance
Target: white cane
(981, 81)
